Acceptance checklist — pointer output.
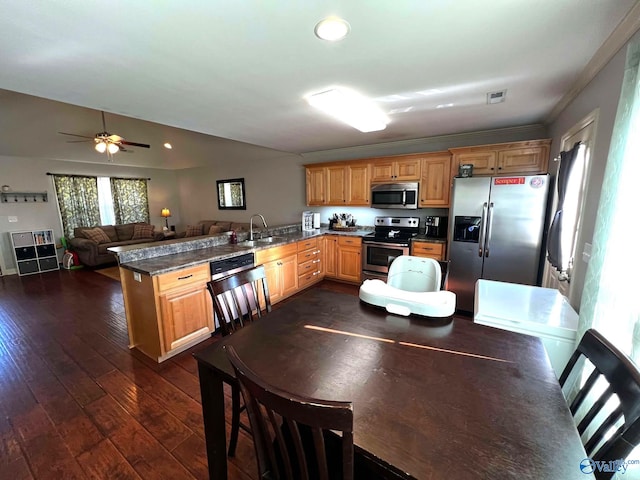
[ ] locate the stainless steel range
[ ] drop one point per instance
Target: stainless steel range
(390, 239)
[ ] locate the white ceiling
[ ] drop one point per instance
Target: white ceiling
(240, 69)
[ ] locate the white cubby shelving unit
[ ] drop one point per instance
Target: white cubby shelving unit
(34, 251)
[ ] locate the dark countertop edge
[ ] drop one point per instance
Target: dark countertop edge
(424, 238)
(199, 256)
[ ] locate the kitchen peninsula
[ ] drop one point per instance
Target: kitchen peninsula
(167, 305)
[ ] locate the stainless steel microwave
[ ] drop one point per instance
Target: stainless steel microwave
(395, 195)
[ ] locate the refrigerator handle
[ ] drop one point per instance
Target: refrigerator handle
(483, 221)
(489, 227)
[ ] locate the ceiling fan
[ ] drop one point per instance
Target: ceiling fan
(106, 142)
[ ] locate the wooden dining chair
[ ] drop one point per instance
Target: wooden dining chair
(622, 379)
(293, 435)
(239, 299)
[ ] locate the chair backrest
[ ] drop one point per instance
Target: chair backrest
(415, 274)
(290, 432)
(623, 381)
(240, 298)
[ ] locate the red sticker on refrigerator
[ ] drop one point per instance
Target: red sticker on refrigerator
(508, 181)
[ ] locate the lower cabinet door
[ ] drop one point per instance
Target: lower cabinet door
(289, 271)
(186, 315)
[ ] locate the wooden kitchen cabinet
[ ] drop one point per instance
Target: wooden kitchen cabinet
(428, 249)
(168, 313)
(517, 158)
(358, 184)
(315, 185)
(349, 259)
(185, 315)
(435, 180)
(281, 270)
(331, 256)
(395, 169)
(309, 257)
(338, 184)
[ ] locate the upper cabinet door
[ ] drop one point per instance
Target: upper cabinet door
(358, 185)
(434, 180)
(315, 186)
(398, 169)
(523, 160)
(408, 169)
(336, 185)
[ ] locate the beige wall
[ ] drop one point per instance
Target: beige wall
(30, 175)
(602, 93)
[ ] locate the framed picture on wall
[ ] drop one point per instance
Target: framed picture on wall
(231, 195)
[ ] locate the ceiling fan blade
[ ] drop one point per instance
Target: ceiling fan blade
(75, 135)
(134, 144)
(78, 141)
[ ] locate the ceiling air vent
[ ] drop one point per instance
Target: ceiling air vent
(496, 97)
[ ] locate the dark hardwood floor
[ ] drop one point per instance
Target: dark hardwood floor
(75, 402)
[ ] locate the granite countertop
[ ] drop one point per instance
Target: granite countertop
(424, 238)
(154, 259)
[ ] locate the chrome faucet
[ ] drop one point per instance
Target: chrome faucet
(251, 224)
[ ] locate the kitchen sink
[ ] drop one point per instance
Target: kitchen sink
(261, 241)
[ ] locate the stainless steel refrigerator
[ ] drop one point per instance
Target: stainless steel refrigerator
(495, 232)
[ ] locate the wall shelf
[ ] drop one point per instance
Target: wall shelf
(24, 197)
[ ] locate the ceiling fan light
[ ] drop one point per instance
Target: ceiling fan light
(101, 147)
(113, 148)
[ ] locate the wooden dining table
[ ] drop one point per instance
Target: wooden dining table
(432, 399)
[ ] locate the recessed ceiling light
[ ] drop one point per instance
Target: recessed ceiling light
(351, 108)
(332, 29)
(168, 146)
(444, 105)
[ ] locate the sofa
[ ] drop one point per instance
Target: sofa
(91, 243)
(214, 227)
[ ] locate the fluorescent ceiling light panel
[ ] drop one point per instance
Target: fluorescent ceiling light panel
(351, 108)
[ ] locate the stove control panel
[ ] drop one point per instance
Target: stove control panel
(411, 222)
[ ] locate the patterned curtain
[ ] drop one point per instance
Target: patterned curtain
(130, 200)
(610, 296)
(78, 201)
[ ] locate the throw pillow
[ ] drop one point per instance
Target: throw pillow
(194, 231)
(97, 235)
(215, 229)
(142, 231)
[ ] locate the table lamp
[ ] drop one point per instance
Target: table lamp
(166, 213)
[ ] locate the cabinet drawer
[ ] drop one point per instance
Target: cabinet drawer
(306, 280)
(275, 253)
(308, 255)
(310, 266)
(427, 249)
(186, 276)
(344, 241)
(307, 244)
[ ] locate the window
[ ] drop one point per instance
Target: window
(89, 201)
